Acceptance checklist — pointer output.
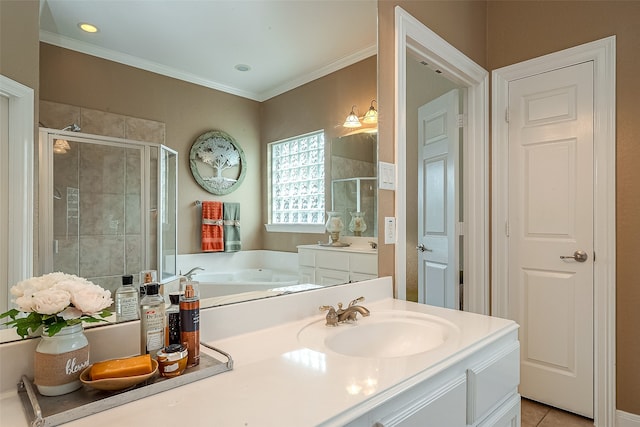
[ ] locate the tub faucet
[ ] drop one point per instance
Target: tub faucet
(189, 274)
(334, 317)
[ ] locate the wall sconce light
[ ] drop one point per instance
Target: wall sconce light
(60, 146)
(352, 120)
(371, 116)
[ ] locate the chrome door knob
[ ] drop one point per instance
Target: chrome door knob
(580, 256)
(423, 248)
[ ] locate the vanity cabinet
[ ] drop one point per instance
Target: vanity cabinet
(331, 266)
(480, 390)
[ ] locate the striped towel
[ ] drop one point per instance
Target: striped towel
(231, 216)
(212, 227)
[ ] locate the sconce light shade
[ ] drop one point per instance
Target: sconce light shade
(371, 115)
(352, 120)
(60, 146)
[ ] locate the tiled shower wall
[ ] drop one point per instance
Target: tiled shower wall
(97, 201)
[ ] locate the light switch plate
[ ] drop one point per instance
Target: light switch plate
(387, 174)
(389, 230)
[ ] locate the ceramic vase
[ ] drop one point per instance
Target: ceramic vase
(59, 361)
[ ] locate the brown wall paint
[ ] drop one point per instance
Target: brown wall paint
(522, 30)
(19, 35)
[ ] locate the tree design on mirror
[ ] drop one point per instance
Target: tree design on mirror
(217, 162)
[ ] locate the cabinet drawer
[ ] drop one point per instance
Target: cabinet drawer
(306, 258)
(492, 381)
(332, 260)
(364, 263)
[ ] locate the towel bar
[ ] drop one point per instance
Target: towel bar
(197, 203)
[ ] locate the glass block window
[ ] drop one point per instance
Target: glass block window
(297, 180)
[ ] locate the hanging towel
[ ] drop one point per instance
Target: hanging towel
(212, 227)
(231, 218)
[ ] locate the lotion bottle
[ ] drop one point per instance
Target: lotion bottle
(152, 319)
(190, 324)
(126, 300)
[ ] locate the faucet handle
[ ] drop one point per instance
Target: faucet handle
(355, 301)
(332, 316)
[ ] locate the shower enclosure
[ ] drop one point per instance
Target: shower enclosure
(107, 207)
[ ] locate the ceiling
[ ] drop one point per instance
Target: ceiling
(286, 43)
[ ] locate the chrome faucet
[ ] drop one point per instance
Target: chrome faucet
(189, 274)
(334, 317)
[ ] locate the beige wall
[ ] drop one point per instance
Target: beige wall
(321, 104)
(19, 35)
(188, 110)
(518, 31)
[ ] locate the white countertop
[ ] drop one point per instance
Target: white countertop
(278, 382)
(361, 249)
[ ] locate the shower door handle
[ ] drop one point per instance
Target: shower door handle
(580, 256)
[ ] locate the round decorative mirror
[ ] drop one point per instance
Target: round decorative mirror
(217, 162)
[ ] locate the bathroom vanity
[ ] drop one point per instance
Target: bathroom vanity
(326, 265)
(405, 364)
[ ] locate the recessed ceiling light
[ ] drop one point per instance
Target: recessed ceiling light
(88, 27)
(242, 67)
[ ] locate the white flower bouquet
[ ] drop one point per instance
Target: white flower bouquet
(56, 300)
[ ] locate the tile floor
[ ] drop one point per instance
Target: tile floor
(536, 414)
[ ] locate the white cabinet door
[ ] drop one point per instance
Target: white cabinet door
(507, 415)
(326, 276)
(306, 274)
(443, 407)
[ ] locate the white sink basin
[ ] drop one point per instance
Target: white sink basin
(381, 335)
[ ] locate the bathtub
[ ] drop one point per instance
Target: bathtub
(218, 284)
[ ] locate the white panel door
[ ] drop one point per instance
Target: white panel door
(550, 217)
(438, 136)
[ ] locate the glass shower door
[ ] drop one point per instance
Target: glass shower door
(97, 207)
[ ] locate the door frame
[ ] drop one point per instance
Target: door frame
(602, 53)
(20, 200)
(453, 64)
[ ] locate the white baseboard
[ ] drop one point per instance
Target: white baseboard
(625, 419)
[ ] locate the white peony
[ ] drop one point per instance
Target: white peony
(50, 301)
(91, 299)
(70, 313)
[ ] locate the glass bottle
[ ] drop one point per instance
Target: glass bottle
(172, 324)
(152, 319)
(126, 300)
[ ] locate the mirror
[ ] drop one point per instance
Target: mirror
(168, 235)
(354, 160)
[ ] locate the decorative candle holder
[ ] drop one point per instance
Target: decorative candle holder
(334, 226)
(357, 225)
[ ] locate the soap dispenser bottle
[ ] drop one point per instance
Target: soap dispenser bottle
(126, 300)
(152, 319)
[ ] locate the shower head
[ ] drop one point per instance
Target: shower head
(72, 127)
